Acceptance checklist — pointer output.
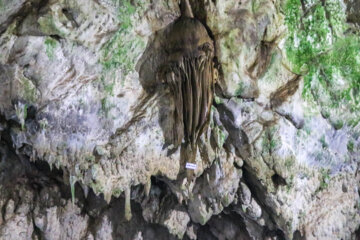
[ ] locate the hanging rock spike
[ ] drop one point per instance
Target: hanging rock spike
(186, 10)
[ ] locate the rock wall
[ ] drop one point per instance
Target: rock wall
(83, 135)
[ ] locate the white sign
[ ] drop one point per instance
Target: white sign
(190, 166)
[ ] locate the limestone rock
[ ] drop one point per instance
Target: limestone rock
(82, 119)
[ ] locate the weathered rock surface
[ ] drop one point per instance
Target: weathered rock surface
(83, 138)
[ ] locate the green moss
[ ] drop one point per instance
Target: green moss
(350, 146)
(117, 192)
(338, 124)
(325, 114)
(202, 220)
(108, 87)
(240, 89)
(218, 100)
(317, 48)
(29, 93)
(324, 179)
(105, 107)
(323, 142)
(255, 5)
(270, 141)
(220, 136)
(50, 44)
(125, 46)
(48, 26)
(97, 188)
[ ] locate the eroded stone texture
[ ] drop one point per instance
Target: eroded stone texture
(76, 92)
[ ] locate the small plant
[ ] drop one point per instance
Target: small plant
(338, 124)
(350, 146)
(324, 179)
(323, 142)
(325, 114)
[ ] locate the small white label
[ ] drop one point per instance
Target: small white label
(190, 166)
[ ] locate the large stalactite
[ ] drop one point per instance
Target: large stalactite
(190, 74)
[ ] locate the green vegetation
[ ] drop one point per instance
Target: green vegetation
(122, 50)
(108, 87)
(350, 146)
(338, 124)
(320, 48)
(48, 26)
(240, 89)
(218, 100)
(324, 179)
(50, 44)
(270, 142)
(220, 136)
(117, 192)
(125, 46)
(105, 107)
(323, 142)
(255, 5)
(30, 91)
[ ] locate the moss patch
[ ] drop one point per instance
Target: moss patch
(319, 47)
(48, 26)
(271, 141)
(350, 146)
(50, 44)
(125, 46)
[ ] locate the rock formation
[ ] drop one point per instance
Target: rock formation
(103, 101)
